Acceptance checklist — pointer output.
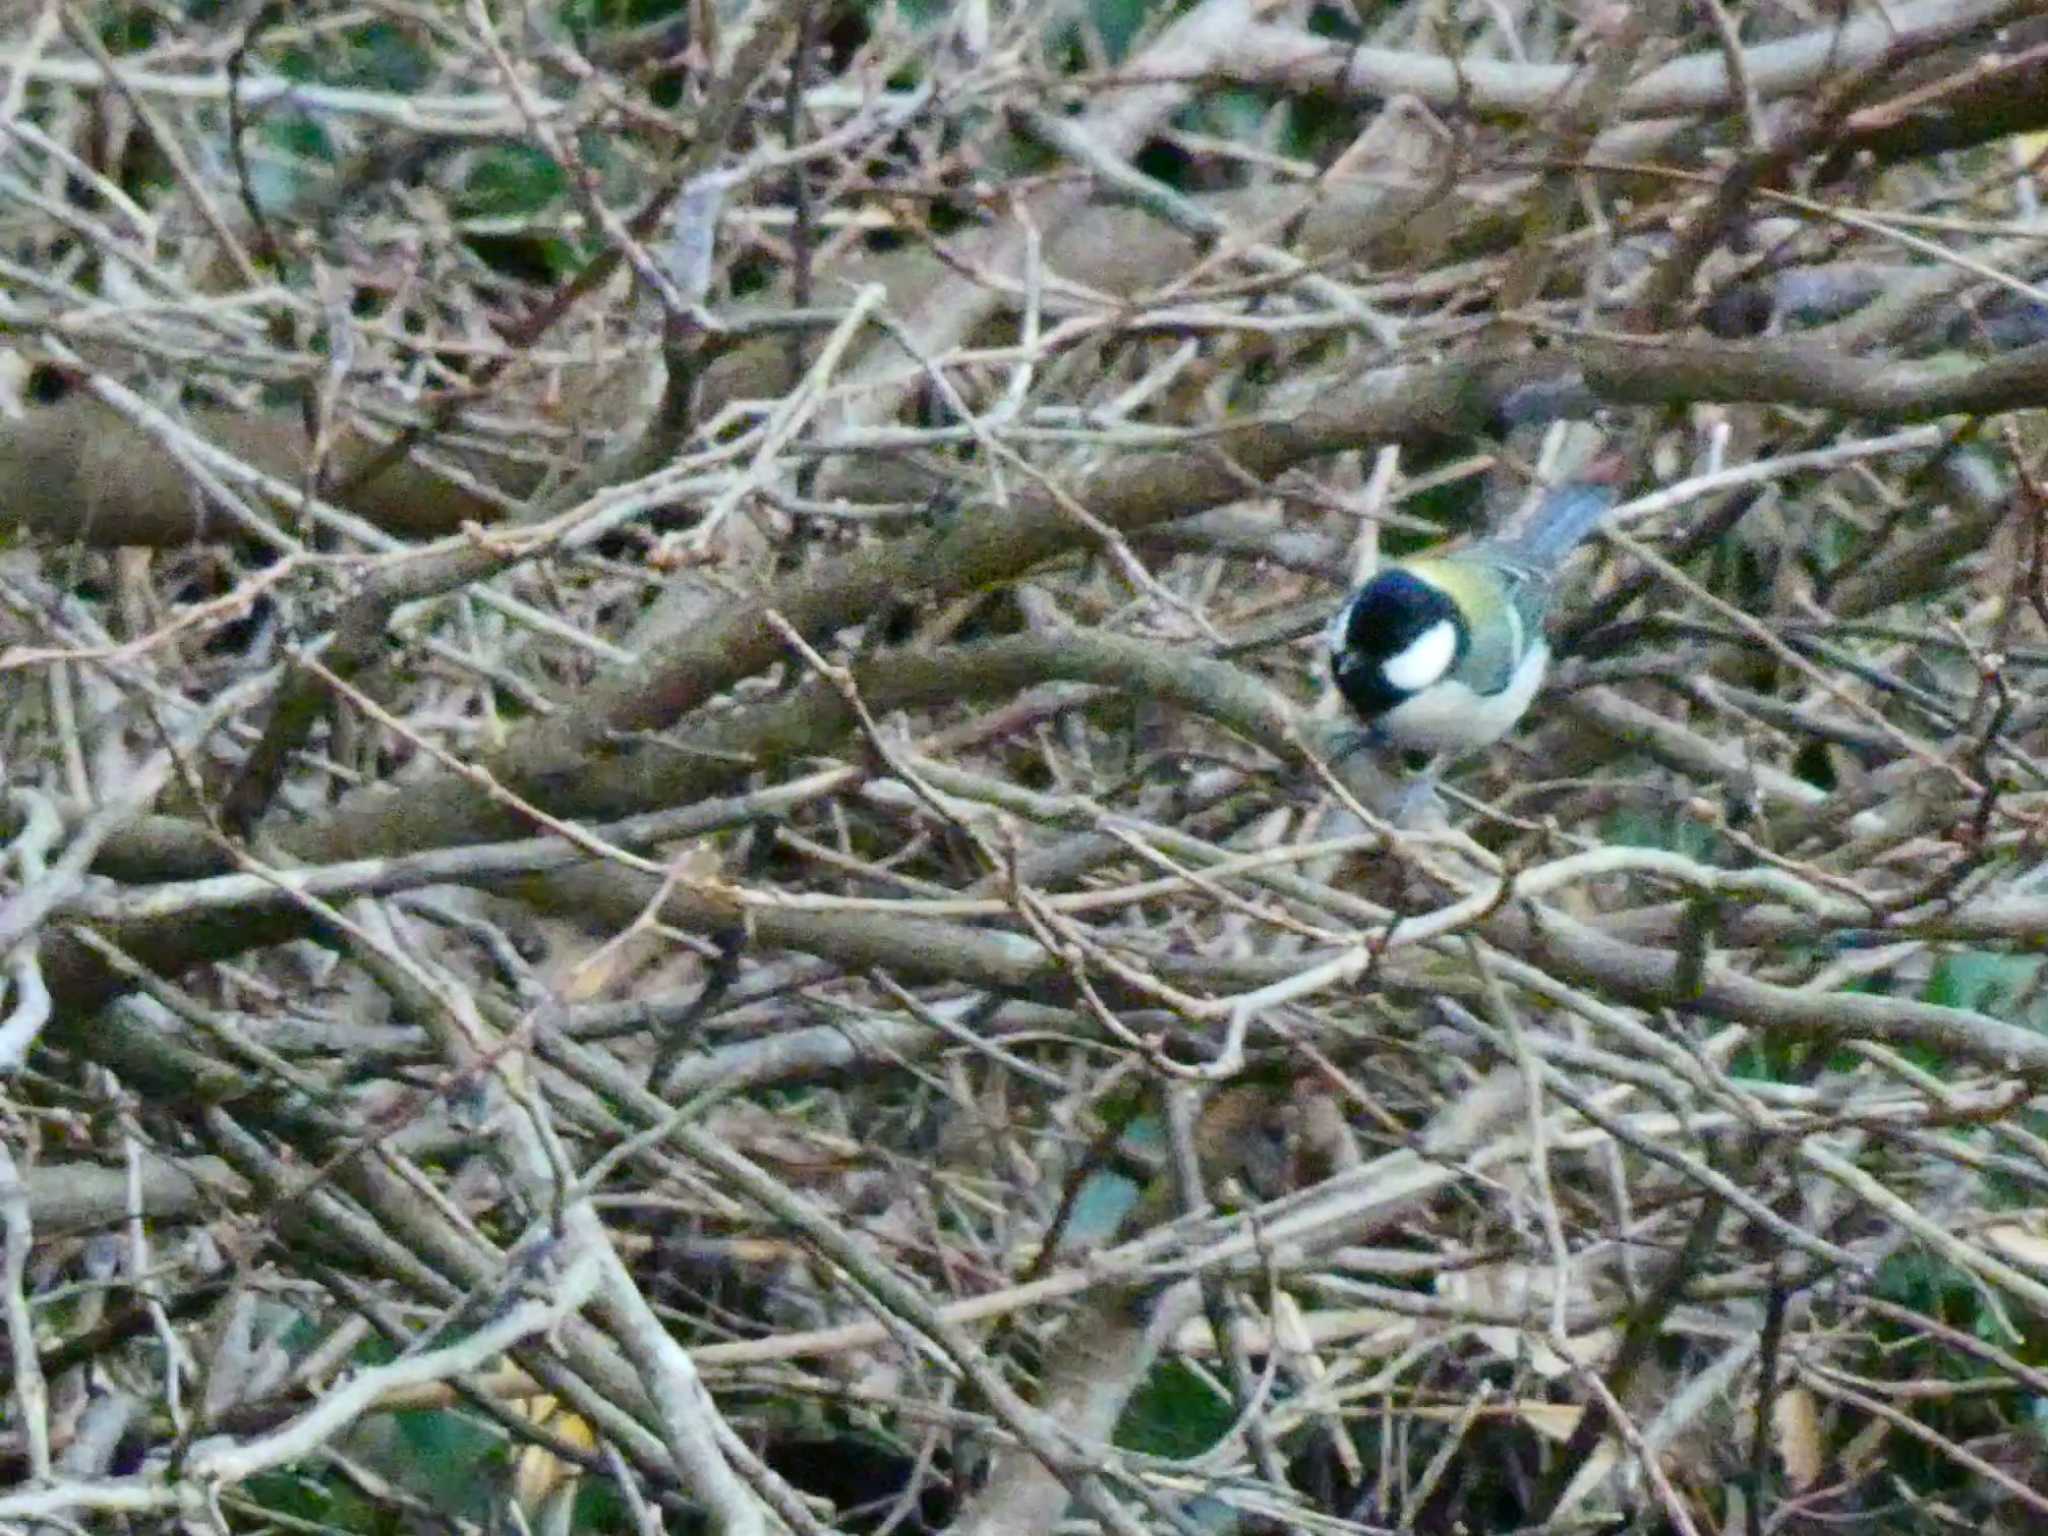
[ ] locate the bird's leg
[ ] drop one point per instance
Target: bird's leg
(1417, 796)
(1416, 774)
(1354, 742)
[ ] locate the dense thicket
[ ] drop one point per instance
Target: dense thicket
(677, 851)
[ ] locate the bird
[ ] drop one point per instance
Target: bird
(1443, 654)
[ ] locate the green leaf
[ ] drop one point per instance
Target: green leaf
(1634, 828)
(509, 180)
(2004, 986)
(1105, 1199)
(389, 58)
(1117, 22)
(1175, 1414)
(446, 1453)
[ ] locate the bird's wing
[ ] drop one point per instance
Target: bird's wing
(1519, 594)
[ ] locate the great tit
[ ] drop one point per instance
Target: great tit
(1443, 654)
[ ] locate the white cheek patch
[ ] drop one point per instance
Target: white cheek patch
(1425, 659)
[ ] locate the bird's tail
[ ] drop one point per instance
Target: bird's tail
(1563, 521)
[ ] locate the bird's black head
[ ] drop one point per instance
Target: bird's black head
(1396, 636)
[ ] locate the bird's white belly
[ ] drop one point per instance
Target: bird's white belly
(1450, 717)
